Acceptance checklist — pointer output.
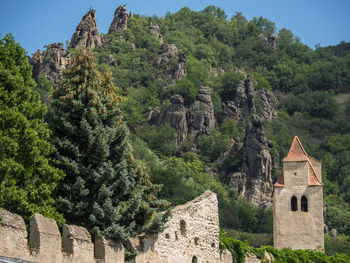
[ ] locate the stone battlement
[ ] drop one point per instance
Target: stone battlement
(46, 245)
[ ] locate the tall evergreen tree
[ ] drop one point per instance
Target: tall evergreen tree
(27, 177)
(105, 189)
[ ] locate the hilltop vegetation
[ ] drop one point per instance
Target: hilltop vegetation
(206, 48)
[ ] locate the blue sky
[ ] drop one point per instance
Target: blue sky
(35, 23)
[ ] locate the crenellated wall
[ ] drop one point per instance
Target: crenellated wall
(47, 246)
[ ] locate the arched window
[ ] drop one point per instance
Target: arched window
(294, 203)
(183, 227)
(304, 203)
(194, 259)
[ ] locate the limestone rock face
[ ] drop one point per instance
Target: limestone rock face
(180, 71)
(120, 20)
(55, 61)
(169, 51)
(86, 33)
(175, 115)
(254, 180)
(200, 117)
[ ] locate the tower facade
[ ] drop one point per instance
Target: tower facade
(298, 202)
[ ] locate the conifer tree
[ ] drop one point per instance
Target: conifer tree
(104, 188)
(27, 177)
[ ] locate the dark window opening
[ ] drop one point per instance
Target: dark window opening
(304, 203)
(194, 259)
(183, 227)
(294, 203)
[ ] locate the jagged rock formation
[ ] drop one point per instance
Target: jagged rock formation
(169, 52)
(249, 101)
(120, 20)
(36, 62)
(269, 39)
(155, 30)
(196, 120)
(175, 115)
(55, 61)
(86, 33)
(268, 104)
(254, 179)
(200, 117)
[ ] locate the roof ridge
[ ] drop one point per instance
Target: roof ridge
(314, 174)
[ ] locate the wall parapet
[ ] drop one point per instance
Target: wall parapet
(46, 245)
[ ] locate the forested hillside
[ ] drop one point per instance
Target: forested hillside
(213, 102)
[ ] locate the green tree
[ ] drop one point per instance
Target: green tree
(105, 189)
(27, 177)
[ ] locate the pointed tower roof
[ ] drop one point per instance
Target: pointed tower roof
(298, 154)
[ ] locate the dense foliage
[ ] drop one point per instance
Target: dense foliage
(104, 188)
(27, 175)
(311, 86)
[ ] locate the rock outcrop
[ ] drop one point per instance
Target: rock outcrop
(268, 104)
(200, 117)
(120, 20)
(254, 179)
(36, 61)
(55, 61)
(155, 30)
(249, 101)
(170, 52)
(195, 120)
(175, 115)
(86, 33)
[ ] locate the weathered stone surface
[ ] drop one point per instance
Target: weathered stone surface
(149, 257)
(299, 226)
(45, 239)
(13, 235)
(251, 258)
(169, 52)
(86, 33)
(152, 115)
(268, 104)
(192, 230)
(254, 178)
(226, 256)
(175, 115)
(120, 20)
(155, 30)
(36, 61)
(77, 243)
(200, 117)
(55, 61)
(180, 71)
(269, 39)
(108, 250)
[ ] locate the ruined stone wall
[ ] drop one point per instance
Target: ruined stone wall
(191, 234)
(46, 245)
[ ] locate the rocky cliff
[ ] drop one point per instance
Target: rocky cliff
(86, 33)
(120, 20)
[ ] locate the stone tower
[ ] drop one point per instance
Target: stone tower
(298, 202)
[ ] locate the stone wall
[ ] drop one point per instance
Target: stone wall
(191, 235)
(46, 245)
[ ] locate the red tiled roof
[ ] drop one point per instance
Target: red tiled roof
(298, 154)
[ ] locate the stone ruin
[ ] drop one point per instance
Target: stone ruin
(191, 234)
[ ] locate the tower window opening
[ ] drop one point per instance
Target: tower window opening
(194, 259)
(294, 203)
(304, 203)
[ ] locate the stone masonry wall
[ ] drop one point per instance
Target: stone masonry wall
(46, 245)
(191, 234)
